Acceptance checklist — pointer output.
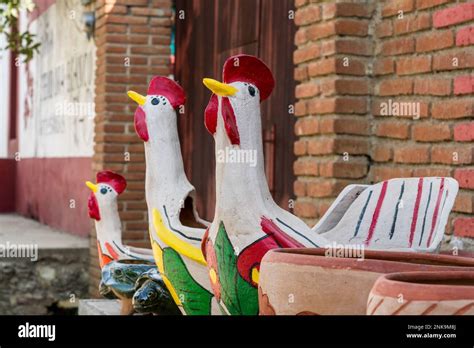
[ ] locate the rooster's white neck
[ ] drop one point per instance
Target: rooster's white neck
(166, 181)
(109, 227)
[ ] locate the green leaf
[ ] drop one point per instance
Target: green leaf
(196, 299)
(238, 296)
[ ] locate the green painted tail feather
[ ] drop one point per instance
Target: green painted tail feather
(238, 296)
(195, 299)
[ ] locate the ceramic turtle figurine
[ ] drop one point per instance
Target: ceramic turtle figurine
(152, 296)
(106, 292)
(120, 277)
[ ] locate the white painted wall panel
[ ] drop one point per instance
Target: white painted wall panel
(4, 97)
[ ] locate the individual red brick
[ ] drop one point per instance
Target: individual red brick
(299, 188)
(308, 14)
(396, 87)
(299, 147)
(453, 15)
(432, 86)
(423, 4)
(434, 41)
(306, 167)
(300, 3)
(345, 9)
(464, 131)
(383, 66)
(381, 153)
(354, 168)
(321, 30)
(305, 209)
(321, 146)
(411, 24)
(307, 126)
(305, 54)
(300, 36)
(393, 7)
(384, 172)
(450, 109)
(344, 125)
(300, 108)
(306, 90)
(451, 155)
(350, 46)
(398, 46)
(326, 188)
(464, 227)
(322, 67)
(411, 154)
(451, 61)
(301, 73)
(464, 84)
(465, 36)
(465, 177)
(431, 171)
(464, 202)
(341, 86)
(431, 132)
(384, 29)
(393, 129)
(352, 27)
(351, 146)
(413, 65)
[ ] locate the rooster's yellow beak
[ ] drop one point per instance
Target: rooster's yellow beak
(136, 97)
(94, 188)
(219, 88)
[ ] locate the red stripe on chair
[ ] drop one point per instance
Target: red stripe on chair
(435, 214)
(414, 219)
(375, 217)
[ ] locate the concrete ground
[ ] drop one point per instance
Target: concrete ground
(17, 229)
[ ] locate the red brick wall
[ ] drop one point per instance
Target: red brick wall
(133, 39)
(351, 57)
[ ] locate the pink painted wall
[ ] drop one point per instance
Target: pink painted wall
(45, 188)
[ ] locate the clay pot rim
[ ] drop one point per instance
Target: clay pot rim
(379, 261)
(394, 284)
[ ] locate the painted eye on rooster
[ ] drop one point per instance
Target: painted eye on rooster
(252, 91)
(155, 101)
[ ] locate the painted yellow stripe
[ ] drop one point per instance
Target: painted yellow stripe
(169, 238)
(158, 254)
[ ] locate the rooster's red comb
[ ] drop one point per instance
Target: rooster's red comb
(246, 68)
(160, 85)
(116, 181)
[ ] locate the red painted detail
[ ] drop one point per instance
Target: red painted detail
(168, 88)
(112, 251)
(436, 210)
(375, 217)
(464, 132)
(250, 69)
(453, 15)
(464, 85)
(116, 181)
(48, 190)
(465, 177)
(103, 259)
(140, 124)
(283, 239)
(414, 218)
(7, 188)
(203, 243)
(210, 115)
(211, 260)
(464, 227)
(40, 8)
(94, 212)
(252, 255)
(465, 36)
(230, 122)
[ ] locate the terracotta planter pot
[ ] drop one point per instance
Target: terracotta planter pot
(423, 293)
(305, 281)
